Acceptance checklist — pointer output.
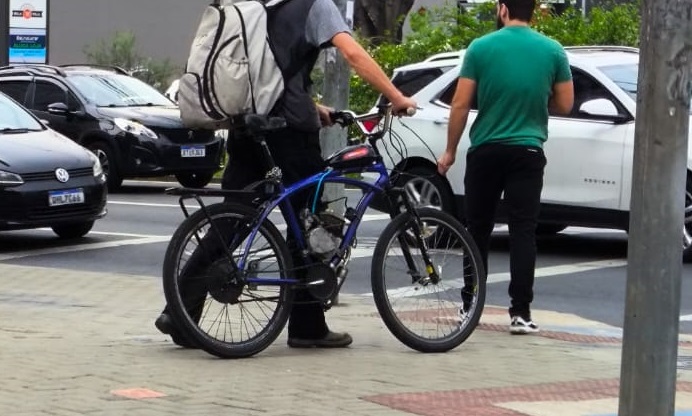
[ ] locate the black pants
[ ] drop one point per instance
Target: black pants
(517, 171)
(299, 156)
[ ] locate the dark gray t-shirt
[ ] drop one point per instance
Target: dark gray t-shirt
(298, 30)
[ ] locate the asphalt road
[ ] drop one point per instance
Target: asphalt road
(580, 271)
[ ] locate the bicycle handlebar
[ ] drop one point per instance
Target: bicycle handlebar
(347, 118)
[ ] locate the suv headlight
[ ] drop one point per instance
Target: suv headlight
(133, 127)
(98, 169)
(10, 179)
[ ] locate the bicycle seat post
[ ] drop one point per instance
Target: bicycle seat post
(267, 154)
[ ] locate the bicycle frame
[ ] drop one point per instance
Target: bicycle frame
(317, 180)
(276, 194)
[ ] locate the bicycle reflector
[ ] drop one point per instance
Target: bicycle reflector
(370, 124)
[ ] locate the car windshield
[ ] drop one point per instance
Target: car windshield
(625, 77)
(14, 118)
(117, 91)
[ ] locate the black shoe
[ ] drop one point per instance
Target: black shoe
(164, 323)
(331, 340)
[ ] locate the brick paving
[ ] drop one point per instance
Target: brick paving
(82, 343)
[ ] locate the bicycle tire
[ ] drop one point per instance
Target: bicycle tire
(193, 227)
(467, 320)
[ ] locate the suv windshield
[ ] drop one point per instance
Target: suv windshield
(15, 118)
(625, 77)
(115, 90)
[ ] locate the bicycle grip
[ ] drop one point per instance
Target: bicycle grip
(410, 111)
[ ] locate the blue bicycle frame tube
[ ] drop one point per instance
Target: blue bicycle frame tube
(292, 221)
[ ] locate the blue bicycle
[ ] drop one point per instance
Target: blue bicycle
(229, 276)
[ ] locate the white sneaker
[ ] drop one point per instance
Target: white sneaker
(521, 326)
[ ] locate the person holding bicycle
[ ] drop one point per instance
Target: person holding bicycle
(298, 30)
(516, 75)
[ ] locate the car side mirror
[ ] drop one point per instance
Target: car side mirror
(45, 122)
(58, 109)
(602, 109)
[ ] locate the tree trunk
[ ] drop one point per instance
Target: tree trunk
(381, 20)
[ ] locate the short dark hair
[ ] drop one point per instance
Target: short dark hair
(520, 9)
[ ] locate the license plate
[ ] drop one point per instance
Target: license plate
(193, 151)
(66, 197)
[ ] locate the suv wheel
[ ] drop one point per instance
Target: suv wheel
(107, 159)
(194, 179)
(74, 230)
(426, 188)
(687, 227)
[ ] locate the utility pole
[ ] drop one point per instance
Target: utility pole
(4, 32)
(335, 93)
(654, 274)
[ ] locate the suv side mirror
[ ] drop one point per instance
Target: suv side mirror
(58, 109)
(602, 109)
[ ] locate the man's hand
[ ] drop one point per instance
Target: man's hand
(324, 111)
(445, 162)
(402, 105)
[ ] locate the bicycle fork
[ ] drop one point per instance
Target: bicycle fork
(431, 275)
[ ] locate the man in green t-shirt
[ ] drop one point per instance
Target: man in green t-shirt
(516, 75)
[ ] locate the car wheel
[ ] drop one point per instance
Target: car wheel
(74, 230)
(426, 188)
(107, 159)
(194, 179)
(549, 229)
(687, 227)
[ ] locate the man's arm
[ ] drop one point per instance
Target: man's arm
(458, 116)
(562, 99)
(366, 67)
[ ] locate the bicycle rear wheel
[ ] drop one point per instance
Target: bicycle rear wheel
(207, 293)
(425, 314)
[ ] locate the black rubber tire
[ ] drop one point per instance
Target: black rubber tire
(73, 230)
(687, 251)
(549, 229)
(379, 289)
(181, 316)
(194, 179)
(446, 198)
(110, 166)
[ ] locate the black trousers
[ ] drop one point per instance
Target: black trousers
(517, 171)
(299, 156)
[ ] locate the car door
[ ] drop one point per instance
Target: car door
(585, 152)
(47, 93)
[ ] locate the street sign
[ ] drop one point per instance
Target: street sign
(27, 31)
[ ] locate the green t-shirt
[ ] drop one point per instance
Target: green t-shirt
(514, 69)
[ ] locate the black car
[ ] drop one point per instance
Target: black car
(46, 180)
(133, 129)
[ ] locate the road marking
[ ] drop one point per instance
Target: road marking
(686, 318)
(504, 277)
(84, 247)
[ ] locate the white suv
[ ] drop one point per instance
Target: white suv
(588, 177)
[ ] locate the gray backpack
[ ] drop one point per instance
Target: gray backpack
(231, 68)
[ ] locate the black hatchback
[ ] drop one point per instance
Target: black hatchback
(133, 129)
(46, 180)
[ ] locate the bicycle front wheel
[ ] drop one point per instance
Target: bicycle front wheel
(428, 313)
(208, 293)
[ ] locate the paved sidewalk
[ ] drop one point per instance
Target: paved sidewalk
(78, 343)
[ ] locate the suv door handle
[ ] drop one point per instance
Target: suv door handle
(442, 121)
